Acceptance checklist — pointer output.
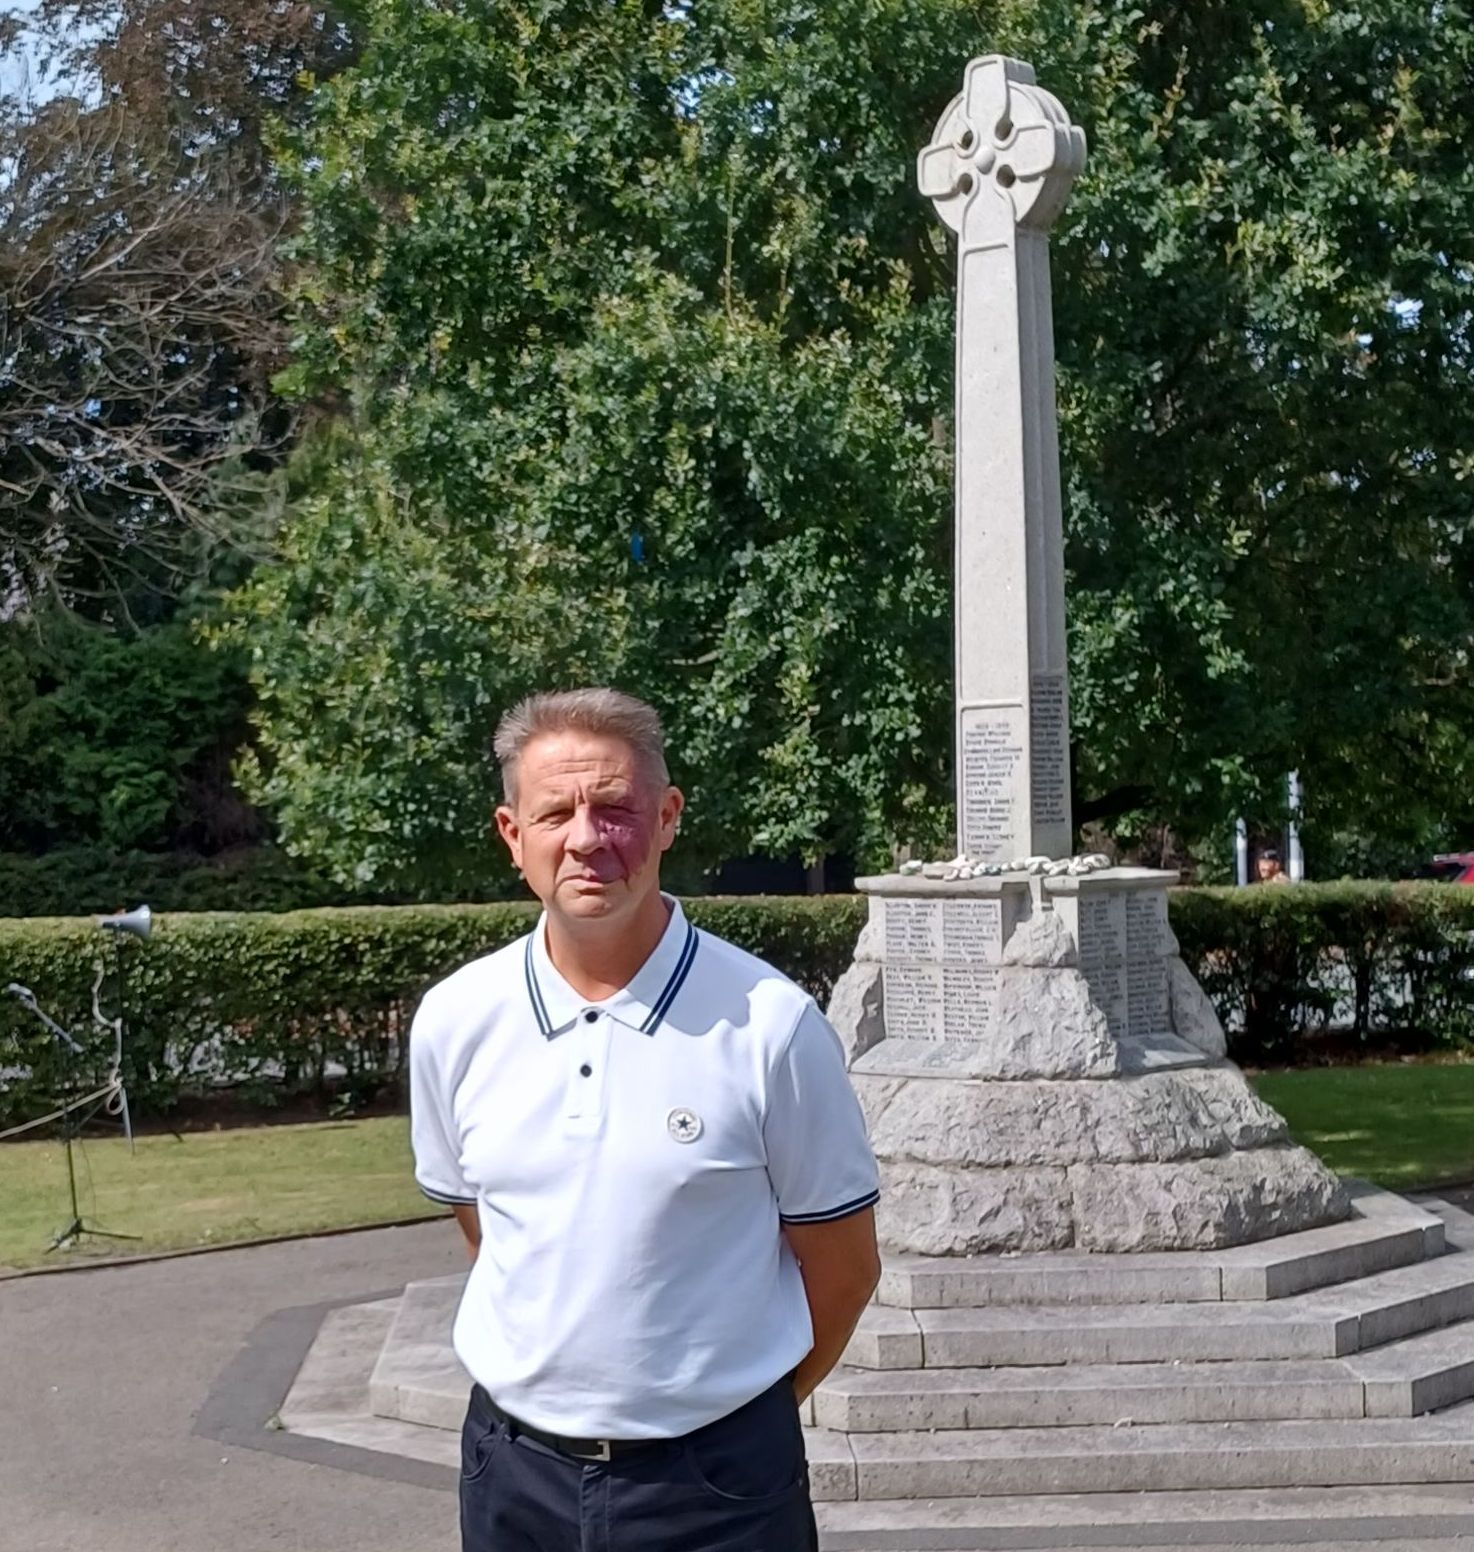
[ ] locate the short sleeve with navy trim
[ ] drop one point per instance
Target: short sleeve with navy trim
(432, 1128)
(819, 1160)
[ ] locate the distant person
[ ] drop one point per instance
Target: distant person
(1269, 869)
(652, 1147)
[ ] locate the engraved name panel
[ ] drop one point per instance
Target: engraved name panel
(1101, 938)
(968, 999)
(932, 1002)
(990, 751)
(1147, 1009)
(972, 932)
(913, 1002)
(1108, 988)
(1049, 749)
(1147, 932)
(913, 931)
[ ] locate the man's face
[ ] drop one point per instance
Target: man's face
(588, 825)
(1268, 868)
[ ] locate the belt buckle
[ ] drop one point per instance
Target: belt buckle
(602, 1450)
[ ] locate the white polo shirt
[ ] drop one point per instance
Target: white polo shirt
(631, 1161)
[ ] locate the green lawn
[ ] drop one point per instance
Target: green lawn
(209, 1188)
(1400, 1125)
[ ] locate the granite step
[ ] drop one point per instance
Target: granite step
(1423, 1373)
(1320, 1517)
(417, 1377)
(1386, 1232)
(1419, 1374)
(1327, 1323)
(891, 1400)
(1151, 1458)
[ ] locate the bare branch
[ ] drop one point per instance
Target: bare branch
(140, 324)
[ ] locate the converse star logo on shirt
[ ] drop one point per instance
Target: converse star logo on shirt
(684, 1125)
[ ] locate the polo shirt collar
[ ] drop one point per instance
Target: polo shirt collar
(642, 1004)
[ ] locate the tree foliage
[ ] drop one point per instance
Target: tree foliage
(645, 342)
(115, 741)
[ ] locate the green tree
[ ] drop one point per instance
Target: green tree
(644, 342)
(117, 742)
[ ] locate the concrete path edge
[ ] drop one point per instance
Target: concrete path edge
(248, 1391)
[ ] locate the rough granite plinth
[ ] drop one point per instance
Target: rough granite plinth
(1190, 1204)
(1194, 1018)
(1040, 1071)
(1045, 1025)
(1153, 1118)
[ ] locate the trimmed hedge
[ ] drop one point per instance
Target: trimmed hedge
(270, 1002)
(1376, 962)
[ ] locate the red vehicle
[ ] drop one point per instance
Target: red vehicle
(1450, 867)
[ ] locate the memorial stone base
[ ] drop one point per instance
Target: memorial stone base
(1041, 1072)
(1066, 1398)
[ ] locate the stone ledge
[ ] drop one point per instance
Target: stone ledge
(1190, 1333)
(1155, 1458)
(1052, 1277)
(1336, 1516)
(418, 1378)
(864, 1401)
(1423, 1373)
(888, 885)
(1386, 1232)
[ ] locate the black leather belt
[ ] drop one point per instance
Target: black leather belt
(579, 1449)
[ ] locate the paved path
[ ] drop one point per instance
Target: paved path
(103, 1372)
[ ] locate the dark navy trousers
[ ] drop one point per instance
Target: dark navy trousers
(740, 1484)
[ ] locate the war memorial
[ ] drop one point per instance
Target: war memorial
(1109, 1270)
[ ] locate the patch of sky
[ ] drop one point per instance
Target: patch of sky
(690, 90)
(31, 74)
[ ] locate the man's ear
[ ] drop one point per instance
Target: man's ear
(510, 832)
(670, 816)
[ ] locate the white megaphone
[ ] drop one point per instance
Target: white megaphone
(139, 922)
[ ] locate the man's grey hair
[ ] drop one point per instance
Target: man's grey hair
(609, 712)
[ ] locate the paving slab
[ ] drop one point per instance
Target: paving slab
(1457, 1219)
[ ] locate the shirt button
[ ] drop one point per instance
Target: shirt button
(590, 1016)
(586, 1071)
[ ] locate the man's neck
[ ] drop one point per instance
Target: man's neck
(599, 958)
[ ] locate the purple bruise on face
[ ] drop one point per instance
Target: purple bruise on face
(627, 836)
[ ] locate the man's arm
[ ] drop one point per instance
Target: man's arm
(841, 1266)
(470, 1225)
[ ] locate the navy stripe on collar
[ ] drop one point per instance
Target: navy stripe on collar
(672, 986)
(539, 1009)
(656, 1014)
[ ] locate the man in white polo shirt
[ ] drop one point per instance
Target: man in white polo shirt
(652, 1147)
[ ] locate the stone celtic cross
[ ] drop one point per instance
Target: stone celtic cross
(998, 171)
